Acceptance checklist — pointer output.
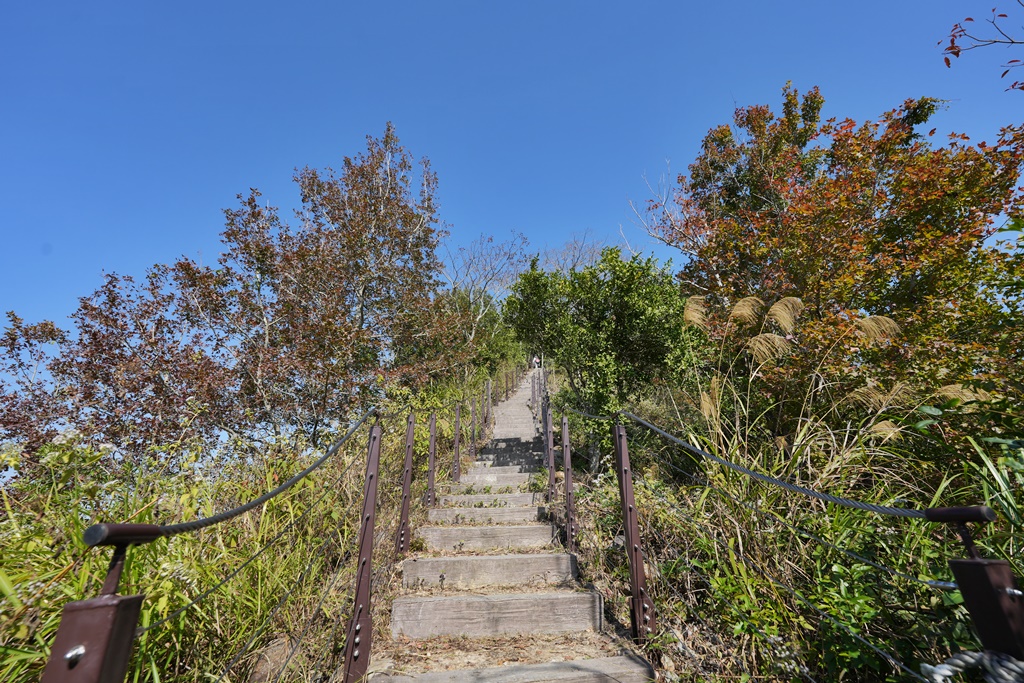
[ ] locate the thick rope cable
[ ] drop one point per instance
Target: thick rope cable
(252, 558)
(195, 525)
(996, 667)
(931, 583)
(796, 594)
(828, 498)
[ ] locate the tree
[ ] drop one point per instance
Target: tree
(291, 329)
(479, 276)
(855, 219)
(312, 315)
(613, 327)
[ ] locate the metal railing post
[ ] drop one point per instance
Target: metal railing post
(356, 658)
(402, 534)
(570, 501)
(533, 392)
(457, 463)
(641, 606)
(549, 450)
(472, 428)
(94, 640)
(991, 592)
(483, 420)
(432, 453)
(486, 403)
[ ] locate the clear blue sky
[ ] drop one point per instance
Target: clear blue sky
(125, 128)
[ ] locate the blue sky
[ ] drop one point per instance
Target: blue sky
(125, 128)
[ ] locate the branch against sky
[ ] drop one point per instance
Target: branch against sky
(482, 274)
(581, 250)
(965, 36)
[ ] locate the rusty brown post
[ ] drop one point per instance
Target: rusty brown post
(402, 534)
(489, 409)
(457, 464)
(356, 658)
(472, 428)
(549, 450)
(483, 420)
(506, 387)
(431, 455)
(991, 592)
(570, 501)
(94, 640)
(641, 606)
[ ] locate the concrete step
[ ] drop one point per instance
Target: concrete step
(491, 615)
(487, 515)
(485, 467)
(511, 456)
(485, 478)
(622, 669)
(475, 488)
(485, 537)
(492, 499)
(489, 570)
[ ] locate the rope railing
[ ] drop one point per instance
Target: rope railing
(978, 513)
(775, 517)
(81, 655)
(976, 579)
(744, 556)
(134, 534)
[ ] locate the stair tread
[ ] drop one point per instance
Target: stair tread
(622, 669)
(471, 571)
(556, 611)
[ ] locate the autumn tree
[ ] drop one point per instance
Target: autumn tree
(855, 219)
(292, 328)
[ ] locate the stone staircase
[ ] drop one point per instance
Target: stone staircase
(495, 578)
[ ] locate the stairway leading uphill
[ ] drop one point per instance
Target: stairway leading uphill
(494, 587)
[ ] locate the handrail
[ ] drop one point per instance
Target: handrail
(977, 513)
(137, 534)
(999, 621)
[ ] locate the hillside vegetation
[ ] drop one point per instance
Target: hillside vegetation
(847, 318)
(845, 315)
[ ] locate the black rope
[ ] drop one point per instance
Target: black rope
(828, 498)
(846, 502)
(931, 583)
(796, 594)
(395, 413)
(196, 525)
(268, 544)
